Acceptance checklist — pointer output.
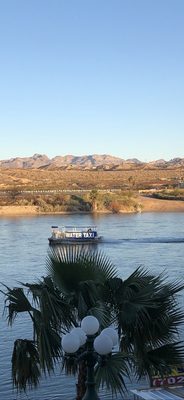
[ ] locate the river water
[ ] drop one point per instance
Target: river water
(153, 240)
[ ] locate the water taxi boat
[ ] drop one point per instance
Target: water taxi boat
(70, 234)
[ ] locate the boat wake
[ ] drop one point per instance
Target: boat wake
(144, 240)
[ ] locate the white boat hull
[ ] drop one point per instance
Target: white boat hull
(53, 241)
(74, 235)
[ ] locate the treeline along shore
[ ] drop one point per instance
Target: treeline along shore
(94, 202)
(31, 192)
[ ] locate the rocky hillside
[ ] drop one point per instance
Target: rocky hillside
(87, 162)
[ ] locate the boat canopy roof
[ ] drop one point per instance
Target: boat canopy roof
(75, 227)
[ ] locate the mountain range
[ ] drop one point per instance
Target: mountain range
(88, 162)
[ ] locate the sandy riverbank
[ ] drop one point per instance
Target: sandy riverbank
(157, 205)
(148, 204)
(18, 210)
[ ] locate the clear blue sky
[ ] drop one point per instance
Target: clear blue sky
(92, 76)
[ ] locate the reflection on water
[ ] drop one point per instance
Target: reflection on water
(153, 240)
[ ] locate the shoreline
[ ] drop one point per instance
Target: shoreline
(150, 204)
(147, 204)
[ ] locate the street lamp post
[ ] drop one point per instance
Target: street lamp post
(95, 347)
(91, 393)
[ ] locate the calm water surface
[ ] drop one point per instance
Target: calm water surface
(153, 240)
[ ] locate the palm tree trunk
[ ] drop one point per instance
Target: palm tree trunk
(81, 384)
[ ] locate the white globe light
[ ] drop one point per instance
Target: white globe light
(90, 325)
(70, 343)
(81, 334)
(103, 344)
(112, 334)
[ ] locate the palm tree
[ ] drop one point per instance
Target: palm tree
(93, 197)
(148, 317)
(144, 309)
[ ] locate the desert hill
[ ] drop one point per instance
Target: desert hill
(88, 162)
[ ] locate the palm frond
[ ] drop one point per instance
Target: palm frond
(110, 373)
(160, 360)
(48, 342)
(145, 308)
(16, 302)
(102, 313)
(80, 275)
(142, 278)
(70, 364)
(70, 266)
(49, 347)
(53, 306)
(25, 365)
(170, 354)
(90, 291)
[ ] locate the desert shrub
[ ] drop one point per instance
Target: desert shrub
(43, 206)
(138, 207)
(107, 201)
(58, 199)
(23, 202)
(59, 208)
(115, 207)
